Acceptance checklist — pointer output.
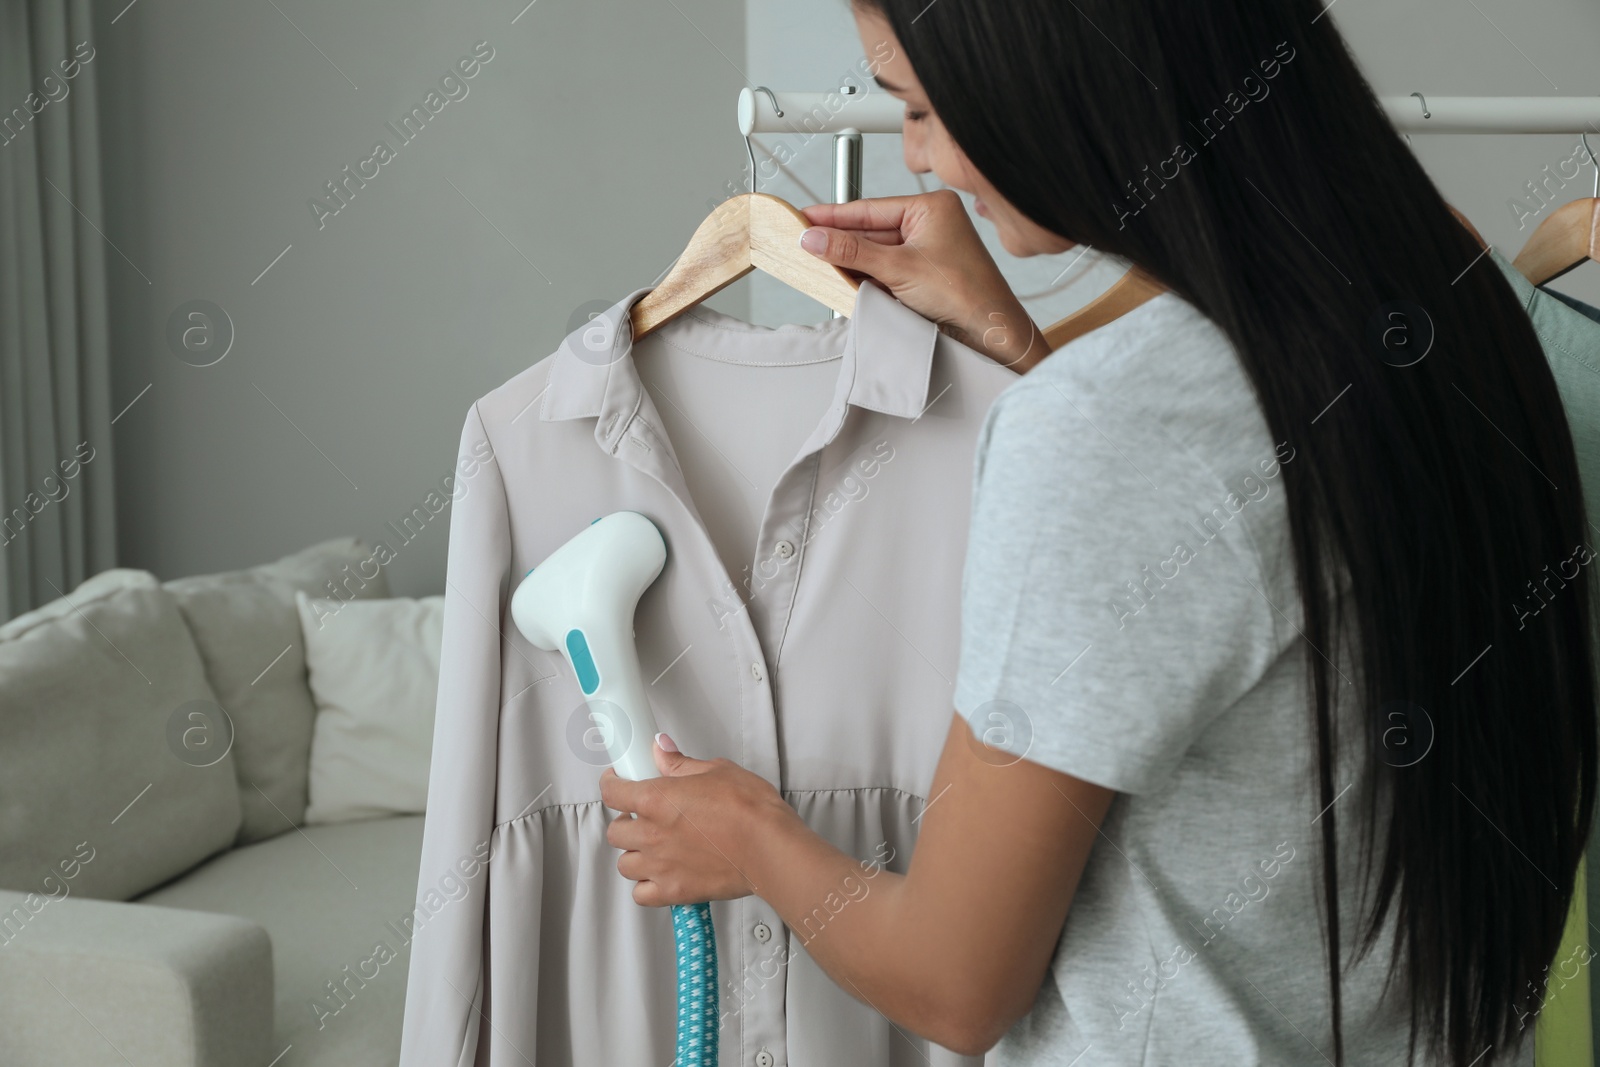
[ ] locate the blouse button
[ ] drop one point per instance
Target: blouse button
(764, 1059)
(755, 669)
(763, 932)
(785, 549)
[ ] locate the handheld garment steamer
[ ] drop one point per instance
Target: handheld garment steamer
(581, 601)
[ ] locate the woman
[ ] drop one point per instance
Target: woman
(1274, 736)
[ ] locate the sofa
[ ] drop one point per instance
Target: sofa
(162, 899)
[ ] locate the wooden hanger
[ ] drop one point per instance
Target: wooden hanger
(1467, 224)
(1569, 237)
(1125, 294)
(745, 232)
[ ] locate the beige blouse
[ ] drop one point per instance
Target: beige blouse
(834, 464)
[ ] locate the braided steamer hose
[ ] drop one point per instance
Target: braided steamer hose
(697, 985)
(581, 601)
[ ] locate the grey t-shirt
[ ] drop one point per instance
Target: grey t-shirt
(1130, 617)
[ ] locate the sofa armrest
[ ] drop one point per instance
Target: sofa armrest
(93, 982)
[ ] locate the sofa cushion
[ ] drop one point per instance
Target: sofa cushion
(374, 673)
(109, 783)
(338, 903)
(86, 980)
(248, 632)
(95, 588)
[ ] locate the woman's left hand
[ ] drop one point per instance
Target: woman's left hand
(686, 836)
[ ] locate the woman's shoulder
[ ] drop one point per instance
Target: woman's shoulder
(1164, 375)
(1113, 511)
(1153, 406)
(1164, 357)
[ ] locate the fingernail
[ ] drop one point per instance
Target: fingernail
(814, 240)
(667, 744)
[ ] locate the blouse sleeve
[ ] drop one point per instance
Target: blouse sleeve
(444, 994)
(1112, 599)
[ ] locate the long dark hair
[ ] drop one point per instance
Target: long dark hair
(1443, 490)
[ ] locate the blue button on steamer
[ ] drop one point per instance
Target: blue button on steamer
(582, 661)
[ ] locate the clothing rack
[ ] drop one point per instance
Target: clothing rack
(846, 114)
(1419, 113)
(847, 111)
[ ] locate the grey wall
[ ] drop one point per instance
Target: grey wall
(583, 156)
(573, 170)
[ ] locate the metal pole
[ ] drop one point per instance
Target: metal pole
(847, 148)
(846, 167)
(1421, 113)
(806, 114)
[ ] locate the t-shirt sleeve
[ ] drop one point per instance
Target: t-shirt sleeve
(1112, 599)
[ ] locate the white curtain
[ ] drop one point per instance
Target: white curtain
(57, 521)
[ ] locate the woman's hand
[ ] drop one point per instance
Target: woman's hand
(686, 835)
(925, 251)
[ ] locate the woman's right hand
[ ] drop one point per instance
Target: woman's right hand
(924, 250)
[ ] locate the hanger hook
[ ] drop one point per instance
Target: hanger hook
(1425, 112)
(751, 151)
(1595, 162)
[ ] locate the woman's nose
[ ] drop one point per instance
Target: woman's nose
(916, 149)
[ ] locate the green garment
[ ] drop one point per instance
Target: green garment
(1570, 336)
(1571, 343)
